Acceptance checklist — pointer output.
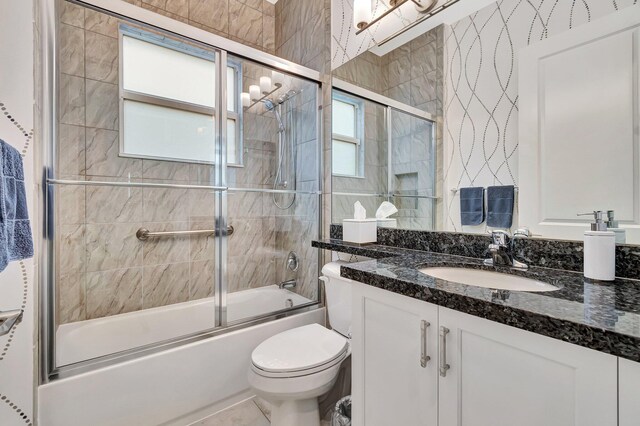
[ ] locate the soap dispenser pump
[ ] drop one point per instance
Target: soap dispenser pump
(612, 225)
(599, 250)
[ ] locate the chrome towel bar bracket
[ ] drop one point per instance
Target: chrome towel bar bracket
(8, 319)
(144, 234)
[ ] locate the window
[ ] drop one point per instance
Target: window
(168, 100)
(348, 123)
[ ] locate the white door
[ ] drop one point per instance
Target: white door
(578, 127)
(393, 382)
(503, 376)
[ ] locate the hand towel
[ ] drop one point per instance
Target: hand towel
(16, 241)
(472, 206)
(500, 206)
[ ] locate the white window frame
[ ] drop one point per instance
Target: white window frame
(182, 47)
(358, 104)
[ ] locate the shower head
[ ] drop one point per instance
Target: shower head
(268, 103)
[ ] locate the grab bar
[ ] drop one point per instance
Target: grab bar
(144, 234)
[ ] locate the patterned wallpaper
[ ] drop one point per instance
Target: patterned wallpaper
(481, 93)
(17, 281)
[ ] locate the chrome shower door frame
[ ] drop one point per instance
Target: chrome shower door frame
(49, 179)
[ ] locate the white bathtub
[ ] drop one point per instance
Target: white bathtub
(174, 387)
(89, 339)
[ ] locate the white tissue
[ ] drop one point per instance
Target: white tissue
(385, 210)
(359, 212)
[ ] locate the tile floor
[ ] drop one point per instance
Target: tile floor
(252, 412)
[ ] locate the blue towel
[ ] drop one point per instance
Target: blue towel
(500, 206)
(472, 206)
(16, 241)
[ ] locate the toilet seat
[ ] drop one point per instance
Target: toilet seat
(299, 352)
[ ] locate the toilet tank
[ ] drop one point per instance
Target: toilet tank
(338, 293)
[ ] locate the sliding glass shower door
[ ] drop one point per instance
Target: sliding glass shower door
(177, 205)
(273, 197)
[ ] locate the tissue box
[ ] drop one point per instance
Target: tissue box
(387, 223)
(360, 230)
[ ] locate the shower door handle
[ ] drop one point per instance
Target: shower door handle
(8, 319)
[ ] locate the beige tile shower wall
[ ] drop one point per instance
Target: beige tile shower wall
(301, 33)
(102, 268)
(251, 22)
(298, 225)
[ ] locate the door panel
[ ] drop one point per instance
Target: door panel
(502, 376)
(390, 385)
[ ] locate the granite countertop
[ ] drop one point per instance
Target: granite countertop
(600, 316)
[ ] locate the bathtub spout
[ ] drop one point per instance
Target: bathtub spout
(288, 284)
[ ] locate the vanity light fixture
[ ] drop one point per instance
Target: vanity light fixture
(268, 85)
(362, 16)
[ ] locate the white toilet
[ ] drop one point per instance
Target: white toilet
(293, 368)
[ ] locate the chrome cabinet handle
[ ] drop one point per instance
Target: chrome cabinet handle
(443, 351)
(8, 319)
(424, 358)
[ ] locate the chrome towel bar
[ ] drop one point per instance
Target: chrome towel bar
(144, 234)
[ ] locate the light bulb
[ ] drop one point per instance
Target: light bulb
(277, 78)
(361, 13)
(265, 84)
(254, 91)
(246, 100)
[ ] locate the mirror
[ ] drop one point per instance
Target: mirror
(548, 107)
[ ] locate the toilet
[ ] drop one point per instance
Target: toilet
(292, 369)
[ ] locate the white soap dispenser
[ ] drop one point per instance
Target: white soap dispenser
(612, 225)
(599, 250)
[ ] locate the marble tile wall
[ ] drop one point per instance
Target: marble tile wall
(251, 22)
(301, 32)
(298, 225)
(102, 268)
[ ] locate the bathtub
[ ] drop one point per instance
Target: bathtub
(83, 340)
(174, 387)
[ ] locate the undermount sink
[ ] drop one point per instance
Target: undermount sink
(487, 279)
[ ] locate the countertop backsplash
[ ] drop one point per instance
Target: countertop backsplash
(547, 253)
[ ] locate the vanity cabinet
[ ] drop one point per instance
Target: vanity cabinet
(497, 376)
(501, 375)
(393, 380)
(629, 392)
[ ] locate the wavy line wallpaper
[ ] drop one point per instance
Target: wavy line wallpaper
(481, 94)
(17, 281)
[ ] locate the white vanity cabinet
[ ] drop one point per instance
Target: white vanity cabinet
(629, 392)
(393, 381)
(503, 376)
(497, 376)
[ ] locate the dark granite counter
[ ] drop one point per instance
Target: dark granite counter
(600, 316)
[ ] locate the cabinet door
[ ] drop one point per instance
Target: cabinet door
(629, 377)
(392, 385)
(503, 376)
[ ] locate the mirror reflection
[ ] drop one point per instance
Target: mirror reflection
(531, 123)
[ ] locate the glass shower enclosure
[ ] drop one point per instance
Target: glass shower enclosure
(183, 192)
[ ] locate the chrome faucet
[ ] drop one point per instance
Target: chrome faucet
(501, 249)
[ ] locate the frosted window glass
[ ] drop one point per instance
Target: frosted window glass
(231, 89)
(231, 142)
(168, 73)
(151, 130)
(344, 118)
(344, 158)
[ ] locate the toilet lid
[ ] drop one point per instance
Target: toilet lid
(301, 348)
